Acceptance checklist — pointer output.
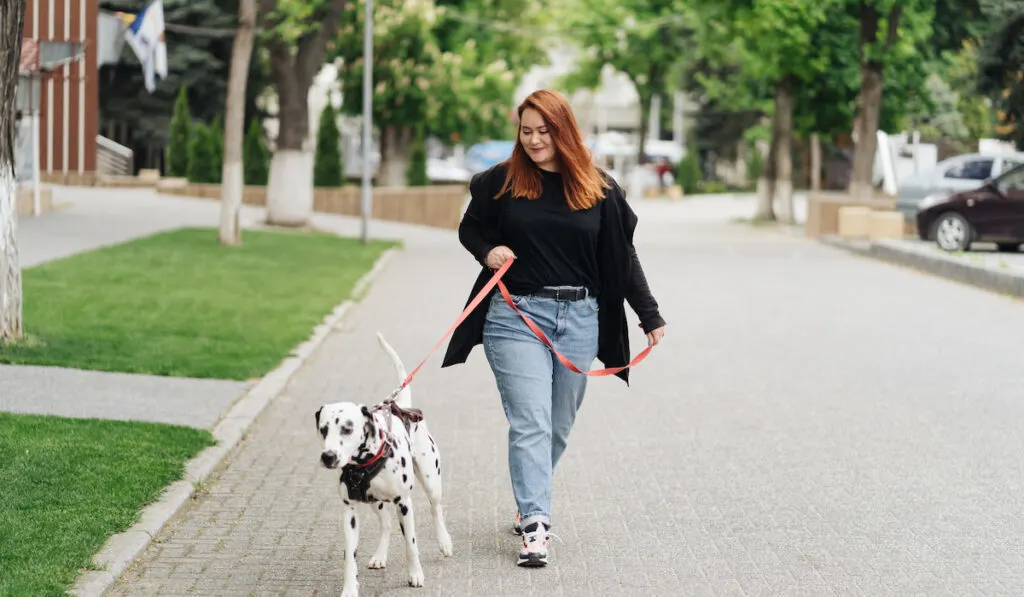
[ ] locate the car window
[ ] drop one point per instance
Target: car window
(979, 169)
(1012, 182)
(1010, 164)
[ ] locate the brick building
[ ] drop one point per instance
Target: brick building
(68, 93)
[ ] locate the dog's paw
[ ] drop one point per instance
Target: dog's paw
(378, 562)
(445, 543)
(416, 578)
(350, 590)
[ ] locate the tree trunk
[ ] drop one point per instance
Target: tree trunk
(784, 150)
(395, 145)
(290, 184)
(815, 162)
(12, 18)
(645, 114)
(232, 180)
(766, 182)
(870, 100)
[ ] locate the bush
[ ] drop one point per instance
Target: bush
(416, 173)
(180, 136)
(688, 172)
(327, 167)
(255, 156)
(204, 163)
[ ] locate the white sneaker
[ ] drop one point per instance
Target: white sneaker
(534, 553)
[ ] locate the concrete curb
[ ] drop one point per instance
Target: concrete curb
(949, 267)
(122, 549)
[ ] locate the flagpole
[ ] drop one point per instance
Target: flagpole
(367, 203)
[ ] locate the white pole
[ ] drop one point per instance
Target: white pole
(34, 107)
(367, 203)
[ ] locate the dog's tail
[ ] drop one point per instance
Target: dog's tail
(404, 398)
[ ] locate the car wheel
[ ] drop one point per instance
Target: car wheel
(1007, 247)
(952, 232)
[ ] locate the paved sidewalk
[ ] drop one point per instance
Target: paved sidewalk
(800, 432)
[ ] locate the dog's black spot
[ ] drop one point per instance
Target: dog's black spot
(405, 509)
(398, 499)
(414, 540)
(437, 463)
(405, 478)
(323, 432)
(380, 506)
(346, 502)
(352, 521)
(403, 461)
(402, 526)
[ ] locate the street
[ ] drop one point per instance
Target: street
(814, 423)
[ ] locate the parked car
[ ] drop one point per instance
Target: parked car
(953, 175)
(994, 212)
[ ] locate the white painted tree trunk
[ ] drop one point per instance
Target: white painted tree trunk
(10, 270)
(12, 16)
(232, 180)
(290, 188)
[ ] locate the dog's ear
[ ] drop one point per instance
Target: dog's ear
(317, 417)
(366, 411)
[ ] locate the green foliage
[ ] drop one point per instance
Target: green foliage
(181, 130)
(256, 156)
(1000, 63)
(327, 166)
(416, 175)
(688, 174)
(432, 65)
(204, 161)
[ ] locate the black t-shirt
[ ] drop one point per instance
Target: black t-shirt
(554, 246)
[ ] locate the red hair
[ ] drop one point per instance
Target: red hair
(583, 184)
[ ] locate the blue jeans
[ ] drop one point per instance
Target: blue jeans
(540, 396)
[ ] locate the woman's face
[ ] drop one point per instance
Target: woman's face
(536, 140)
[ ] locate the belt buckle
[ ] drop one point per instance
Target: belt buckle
(570, 294)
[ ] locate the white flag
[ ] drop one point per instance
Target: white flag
(145, 34)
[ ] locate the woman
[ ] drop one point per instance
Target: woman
(570, 230)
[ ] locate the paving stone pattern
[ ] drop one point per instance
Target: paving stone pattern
(815, 424)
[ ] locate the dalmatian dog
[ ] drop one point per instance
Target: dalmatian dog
(378, 450)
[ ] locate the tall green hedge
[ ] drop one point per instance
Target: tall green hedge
(178, 145)
(328, 170)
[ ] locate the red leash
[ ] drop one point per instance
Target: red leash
(496, 281)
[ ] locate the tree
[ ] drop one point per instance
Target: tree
(232, 180)
(644, 39)
(327, 169)
(181, 131)
(298, 35)
(12, 19)
(257, 158)
(774, 51)
(1000, 63)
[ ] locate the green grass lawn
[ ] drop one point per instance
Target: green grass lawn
(180, 304)
(66, 485)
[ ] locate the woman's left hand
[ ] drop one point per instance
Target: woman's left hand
(655, 336)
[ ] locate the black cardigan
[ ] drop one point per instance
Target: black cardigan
(622, 277)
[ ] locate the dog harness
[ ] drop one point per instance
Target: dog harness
(357, 476)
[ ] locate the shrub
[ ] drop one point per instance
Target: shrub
(688, 172)
(204, 164)
(327, 167)
(180, 136)
(416, 173)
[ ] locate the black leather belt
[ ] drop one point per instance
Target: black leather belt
(562, 293)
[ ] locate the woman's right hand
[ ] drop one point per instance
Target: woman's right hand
(498, 256)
